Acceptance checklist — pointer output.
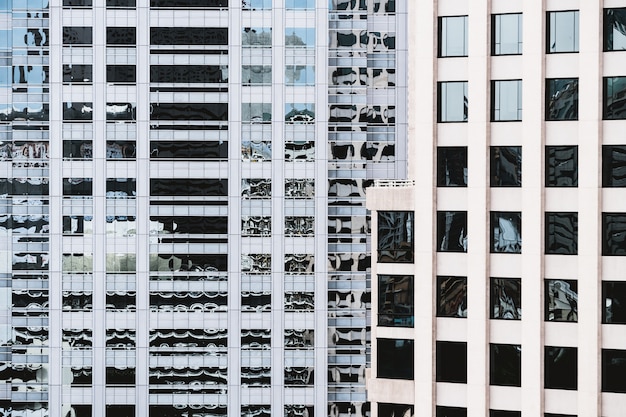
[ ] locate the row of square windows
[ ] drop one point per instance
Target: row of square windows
(396, 305)
(396, 361)
(406, 410)
(562, 33)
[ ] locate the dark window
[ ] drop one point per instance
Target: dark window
(451, 411)
(77, 111)
(561, 367)
(77, 35)
(76, 3)
(120, 149)
(562, 31)
(189, 150)
(189, 3)
(561, 166)
(190, 224)
(504, 413)
(506, 35)
(77, 186)
(77, 73)
(395, 300)
(452, 297)
(562, 99)
(395, 236)
(121, 187)
(188, 74)
(614, 103)
(452, 101)
(559, 415)
(452, 166)
(614, 234)
(614, 166)
(121, 35)
(120, 410)
(188, 187)
(506, 100)
(506, 298)
(614, 297)
(451, 362)
(561, 299)
(613, 370)
(395, 358)
(452, 36)
(506, 166)
(393, 410)
(561, 233)
(77, 149)
(505, 365)
(506, 232)
(124, 4)
(189, 111)
(451, 231)
(615, 29)
(188, 36)
(121, 74)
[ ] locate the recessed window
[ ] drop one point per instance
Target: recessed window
(121, 35)
(451, 362)
(562, 99)
(506, 100)
(395, 358)
(614, 166)
(561, 297)
(506, 232)
(505, 365)
(614, 301)
(451, 231)
(562, 30)
(561, 233)
(452, 166)
(395, 300)
(506, 298)
(394, 410)
(506, 36)
(614, 33)
(395, 236)
(452, 101)
(561, 367)
(256, 4)
(614, 98)
(562, 166)
(451, 411)
(75, 73)
(452, 297)
(504, 413)
(614, 234)
(559, 415)
(613, 370)
(77, 35)
(506, 166)
(452, 36)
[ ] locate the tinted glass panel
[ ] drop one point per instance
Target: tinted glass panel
(562, 30)
(395, 236)
(120, 3)
(453, 36)
(452, 166)
(189, 111)
(190, 3)
(452, 231)
(395, 300)
(504, 413)
(121, 35)
(506, 298)
(81, 149)
(614, 166)
(189, 187)
(451, 297)
(614, 234)
(614, 296)
(121, 111)
(77, 35)
(121, 74)
(561, 367)
(188, 36)
(506, 100)
(506, 34)
(76, 3)
(395, 358)
(77, 111)
(562, 99)
(452, 97)
(188, 74)
(561, 298)
(451, 411)
(120, 149)
(506, 166)
(452, 362)
(77, 73)
(506, 232)
(189, 150)
(505, 364)
(614, 104)
(77, 186)
(562, 166)
(615, 29)
(613, 370)
(561, 233)
(393, 410)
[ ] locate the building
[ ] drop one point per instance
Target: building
(498, 283)
(182, 212)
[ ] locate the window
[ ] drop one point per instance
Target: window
(562, 99)
(613, 370)
(121, 35)
(614, 234)
(255, 4)
(451, 362)
(451, 231)
(299, 37)
(77, 35)
(504, 413)
(615, 29)
(395, 358)
(561, 297)
(77, 111)
(506, 166)
(506, 298)
(505, 365)
(120, 410)
(562, 166)
(299, 4)
(614, 166)
(452, 297)
(506, 36)
(122, 74)
(561, 233)
(395, 236)
(452, 166)
(614, 98)
(452, 36)
(506, 100)
(506, 232)
(559, 415)
(561, 367)
(395, 300)
(75, 73)
(614, 296)
(392, 410)
(562, 31)
(451, 411)
(452, 101)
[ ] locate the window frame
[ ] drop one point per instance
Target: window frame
(494, 34)
(550, 27)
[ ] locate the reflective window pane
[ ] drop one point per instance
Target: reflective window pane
(395, 300)
(614, 166)
(506, 232)
(395, 358)
(504, 413)
(452, 101)
(300, 37)
(561, 297)
(614, 296)
(561, 367)
(614, 234)
(505, 365)
(614, 98)
(451, 411)
(506, 298)
(256, 4)
(561, 233)
(393, 410)
(451, 362)
(562, 166)
(614, 29)
(506, 166)
(562, 99)
(77, 35)
(299, 4)
(562, 31)
(613, 370)
(452, 166)
(452, 297)
(452, 36)
(506, 38)
(451, 231)
(395, 236)
(506, 100)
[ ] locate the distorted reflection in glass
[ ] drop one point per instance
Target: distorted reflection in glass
(395, 300)
(561, 233)
(562, 99)
(614, 29)
(614, 234)
(614, 103)
(506, 232)
(561, 297)
(451, 296)
(395, 236)
(506, 298)
(562, 166)
(506, 166)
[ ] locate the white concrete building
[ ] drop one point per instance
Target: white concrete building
(498, 270)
